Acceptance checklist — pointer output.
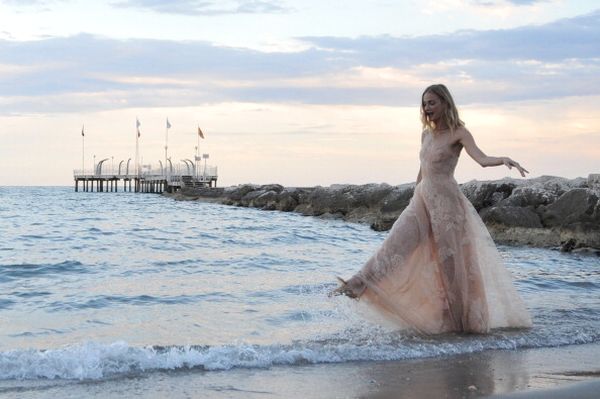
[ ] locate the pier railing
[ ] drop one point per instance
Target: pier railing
(202, 173)
(148, 179)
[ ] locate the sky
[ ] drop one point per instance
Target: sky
(300, 93)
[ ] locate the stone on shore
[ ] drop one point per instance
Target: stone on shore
(511, 216)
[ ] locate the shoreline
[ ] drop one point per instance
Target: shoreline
(500, 374)
(547, 211)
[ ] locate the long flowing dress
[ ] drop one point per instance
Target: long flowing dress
(439, 270)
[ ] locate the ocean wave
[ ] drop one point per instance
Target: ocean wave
(97, 361)
(28, 270)
(105, 301)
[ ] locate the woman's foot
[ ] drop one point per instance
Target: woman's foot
(352, 288)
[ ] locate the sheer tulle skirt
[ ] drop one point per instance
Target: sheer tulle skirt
(439, 270)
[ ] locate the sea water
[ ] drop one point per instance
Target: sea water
(97, 286)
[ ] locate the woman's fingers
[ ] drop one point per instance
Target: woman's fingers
(510, 163)
(522, 170)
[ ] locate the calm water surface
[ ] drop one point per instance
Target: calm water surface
(107, 285)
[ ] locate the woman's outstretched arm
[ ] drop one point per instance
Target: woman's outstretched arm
(467, 140)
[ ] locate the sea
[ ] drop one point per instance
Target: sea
(98, 287)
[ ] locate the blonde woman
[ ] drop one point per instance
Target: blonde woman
(438, 270)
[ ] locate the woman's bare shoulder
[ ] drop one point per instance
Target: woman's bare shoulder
(462, 132)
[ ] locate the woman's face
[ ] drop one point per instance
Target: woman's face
(433, 107)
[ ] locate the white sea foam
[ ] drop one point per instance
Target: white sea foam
(96, 361)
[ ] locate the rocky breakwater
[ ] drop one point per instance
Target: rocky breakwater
(546, 211)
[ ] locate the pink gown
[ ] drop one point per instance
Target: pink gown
(439, 270)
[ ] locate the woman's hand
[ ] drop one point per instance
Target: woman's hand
(352, 288)
(509, 163)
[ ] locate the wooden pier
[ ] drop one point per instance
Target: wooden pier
(147, 181)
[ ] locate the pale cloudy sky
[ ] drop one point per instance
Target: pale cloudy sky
(295, 92)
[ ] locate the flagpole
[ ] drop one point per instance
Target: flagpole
(137, 147)
(82, 150)
(167, 144)
(197, 154)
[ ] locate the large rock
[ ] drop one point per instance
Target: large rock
(391, 206)
(511, 216)
(575, 206)
(483, 194)
(334, 199)
(532, 196)
(287, 201)
(593, 182)
(251, 196)
(236, 193)
(370, 195)
(323, 200)
(384, 221)
(557, 185)
(397, 199)
(272, 187)
(267, 200)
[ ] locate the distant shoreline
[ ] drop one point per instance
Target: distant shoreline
(546, 211)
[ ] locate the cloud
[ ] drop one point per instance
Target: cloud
(23, 2)
(525, 2)
(205, 7)
(87, 72)
(567, 38)
(30, 3)
(513, 2)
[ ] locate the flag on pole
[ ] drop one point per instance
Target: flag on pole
(82, 127)
(168, 124)
(200, 132)
(137, 126)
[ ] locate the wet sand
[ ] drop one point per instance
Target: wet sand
(570, 371)
(579, 390)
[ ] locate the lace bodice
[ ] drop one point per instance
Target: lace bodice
(439, 155)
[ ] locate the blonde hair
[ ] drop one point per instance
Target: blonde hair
(450, 113)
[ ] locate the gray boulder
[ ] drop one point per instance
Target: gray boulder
(384, 222)
(391, 206)
(397, 199)
(287, 201)
(483, 194)
(267, 200)
(575, 206)
(511, 216)
(593, 181)
(236, 193)
(533, 196)
(334, 199)
(370, 195)
(272, 187)
(251, 196)
(557, 185)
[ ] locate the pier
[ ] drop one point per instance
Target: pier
(147, 180)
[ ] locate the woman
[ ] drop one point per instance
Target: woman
(438, 270)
